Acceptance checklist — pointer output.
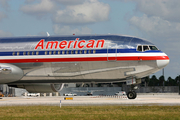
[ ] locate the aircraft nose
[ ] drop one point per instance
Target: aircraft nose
(162, 62)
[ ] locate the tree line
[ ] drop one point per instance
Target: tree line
(154, 81)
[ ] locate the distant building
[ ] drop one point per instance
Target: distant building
(7, 91)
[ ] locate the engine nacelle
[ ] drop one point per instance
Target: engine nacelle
(42, 88)
(10, 73)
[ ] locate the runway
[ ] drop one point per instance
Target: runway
(164, 100)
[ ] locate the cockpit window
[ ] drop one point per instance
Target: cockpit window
(153, 47)
(146, 47)
(139, 48)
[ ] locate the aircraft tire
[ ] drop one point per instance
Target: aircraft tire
(135, 94)
(131, 94)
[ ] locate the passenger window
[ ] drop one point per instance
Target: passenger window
(13, 53)
(89, 51)
(24, 53)
(17, 53)
(32, 53)
(94, 51)
(45, 52)
(80, 51)
(145, 48)
(76, 52)
(59, 52)
(50, 52)
(67, 52)
(37, 53)
(72, 52)
(63, 52)
(139, 48)
(54, 52)
(85, 51)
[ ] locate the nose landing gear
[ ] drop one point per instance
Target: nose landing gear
(132, 94)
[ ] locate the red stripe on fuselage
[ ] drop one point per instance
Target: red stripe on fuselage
(136, 58)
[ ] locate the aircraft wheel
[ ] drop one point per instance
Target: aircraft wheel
(135, 94)
(131, 95)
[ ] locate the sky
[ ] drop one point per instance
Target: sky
(155, 20)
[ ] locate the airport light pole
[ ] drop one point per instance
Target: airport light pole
(163, 76)
(163, 80)
(178, 84)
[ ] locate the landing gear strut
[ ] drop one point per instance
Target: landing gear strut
(132, 94)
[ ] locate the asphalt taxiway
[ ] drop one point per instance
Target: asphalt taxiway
(165, 100)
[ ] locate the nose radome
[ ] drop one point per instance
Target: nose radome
(162, 63)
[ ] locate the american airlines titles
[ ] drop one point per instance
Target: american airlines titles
(70, 44)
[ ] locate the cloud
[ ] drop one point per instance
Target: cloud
(70, 2)
(160, 19)
(166, 9)
(156, 26)
(90, 11)
(68, 11)
(2, 15)
(4, 3)
(67, 30)
(68, 16)
(29, 1)
(38, 9)
(5, 34)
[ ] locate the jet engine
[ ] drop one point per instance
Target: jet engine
(42, 88)
(10, 73)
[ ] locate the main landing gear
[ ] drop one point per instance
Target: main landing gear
(132, 94)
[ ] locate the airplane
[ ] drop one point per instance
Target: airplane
(42, 64)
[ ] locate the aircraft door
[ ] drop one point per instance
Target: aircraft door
(112, 52)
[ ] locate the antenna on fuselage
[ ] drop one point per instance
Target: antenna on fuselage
(48, 34)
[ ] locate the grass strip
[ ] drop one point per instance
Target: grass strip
(90, 112)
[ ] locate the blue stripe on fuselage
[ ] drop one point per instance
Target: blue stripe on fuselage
(88, 51)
